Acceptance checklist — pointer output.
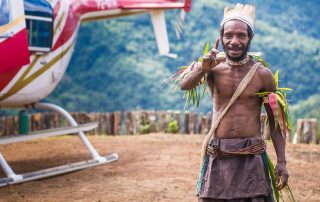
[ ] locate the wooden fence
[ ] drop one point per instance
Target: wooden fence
(146, 121)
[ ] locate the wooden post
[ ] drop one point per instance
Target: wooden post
(178, 119)
(136, 122)
(34, 123)
(102, 123)
(55, 120)
(106, 123)
(307, 131)
(111, 123)
(5, 127)
(193, 123)
(298, 134)
(152, 120)
(46, 122)
(186, 122)
(2, 126)
(129, 123)
(93, 117)
(203, 124)
(15, 125)
(314, 130)
(117, 123)
(161, 120)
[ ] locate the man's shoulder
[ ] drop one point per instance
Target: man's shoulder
(266, 77)
(264, 71)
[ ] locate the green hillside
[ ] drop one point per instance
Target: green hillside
(115, 65)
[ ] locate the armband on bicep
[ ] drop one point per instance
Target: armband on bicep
(278, 105)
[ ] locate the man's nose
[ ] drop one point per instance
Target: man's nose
(234, 40)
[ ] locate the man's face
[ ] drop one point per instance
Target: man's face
(235, 40)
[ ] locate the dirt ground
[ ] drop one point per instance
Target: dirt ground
(155, 167)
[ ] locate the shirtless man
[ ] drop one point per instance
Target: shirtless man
(241, 177)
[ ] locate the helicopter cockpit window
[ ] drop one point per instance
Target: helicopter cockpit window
(39, 21)
(40, 33)
(4, 12)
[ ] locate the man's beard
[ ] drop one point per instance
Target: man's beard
(241, 57)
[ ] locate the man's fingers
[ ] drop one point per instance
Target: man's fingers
(277, 174)
(212, 56)
(281, 185)
(216, 43)
(283, 181)
(213, 51)
(221, 58)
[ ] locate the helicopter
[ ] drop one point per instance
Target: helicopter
(37, 39)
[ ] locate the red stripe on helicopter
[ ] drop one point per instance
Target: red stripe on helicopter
(68, 29)
(76, 9)
(56, 10)
(14, 54)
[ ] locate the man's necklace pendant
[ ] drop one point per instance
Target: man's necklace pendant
(238, 63)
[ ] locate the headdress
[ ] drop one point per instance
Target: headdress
(245, 13)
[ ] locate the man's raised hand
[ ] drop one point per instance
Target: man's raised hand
(211, 59)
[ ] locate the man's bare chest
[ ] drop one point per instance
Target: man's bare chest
(227, 80)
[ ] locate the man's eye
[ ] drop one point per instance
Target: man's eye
(242, 36)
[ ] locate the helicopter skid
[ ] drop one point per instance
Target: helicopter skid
(56, 170)
(13, 178)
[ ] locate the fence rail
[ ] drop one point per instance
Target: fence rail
(146, 121)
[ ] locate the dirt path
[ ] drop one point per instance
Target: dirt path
(156, 167)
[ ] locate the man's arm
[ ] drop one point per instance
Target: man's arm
(279, 146)
(193, 78)
(275, 132)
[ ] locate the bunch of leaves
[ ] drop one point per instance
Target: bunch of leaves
(144, 126)
(259, 59)
(192, 96)
(172, 127)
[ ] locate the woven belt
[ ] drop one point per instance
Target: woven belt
(217, 153)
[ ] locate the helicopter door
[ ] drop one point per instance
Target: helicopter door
(14, 51)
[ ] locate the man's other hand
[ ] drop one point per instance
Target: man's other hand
(282, 176)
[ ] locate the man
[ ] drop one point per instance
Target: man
(234, 169)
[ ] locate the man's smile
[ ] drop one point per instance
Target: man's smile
(235, 51)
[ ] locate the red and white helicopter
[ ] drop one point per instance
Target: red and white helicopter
(37, 38)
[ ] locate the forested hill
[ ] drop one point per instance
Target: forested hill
(115, 65)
